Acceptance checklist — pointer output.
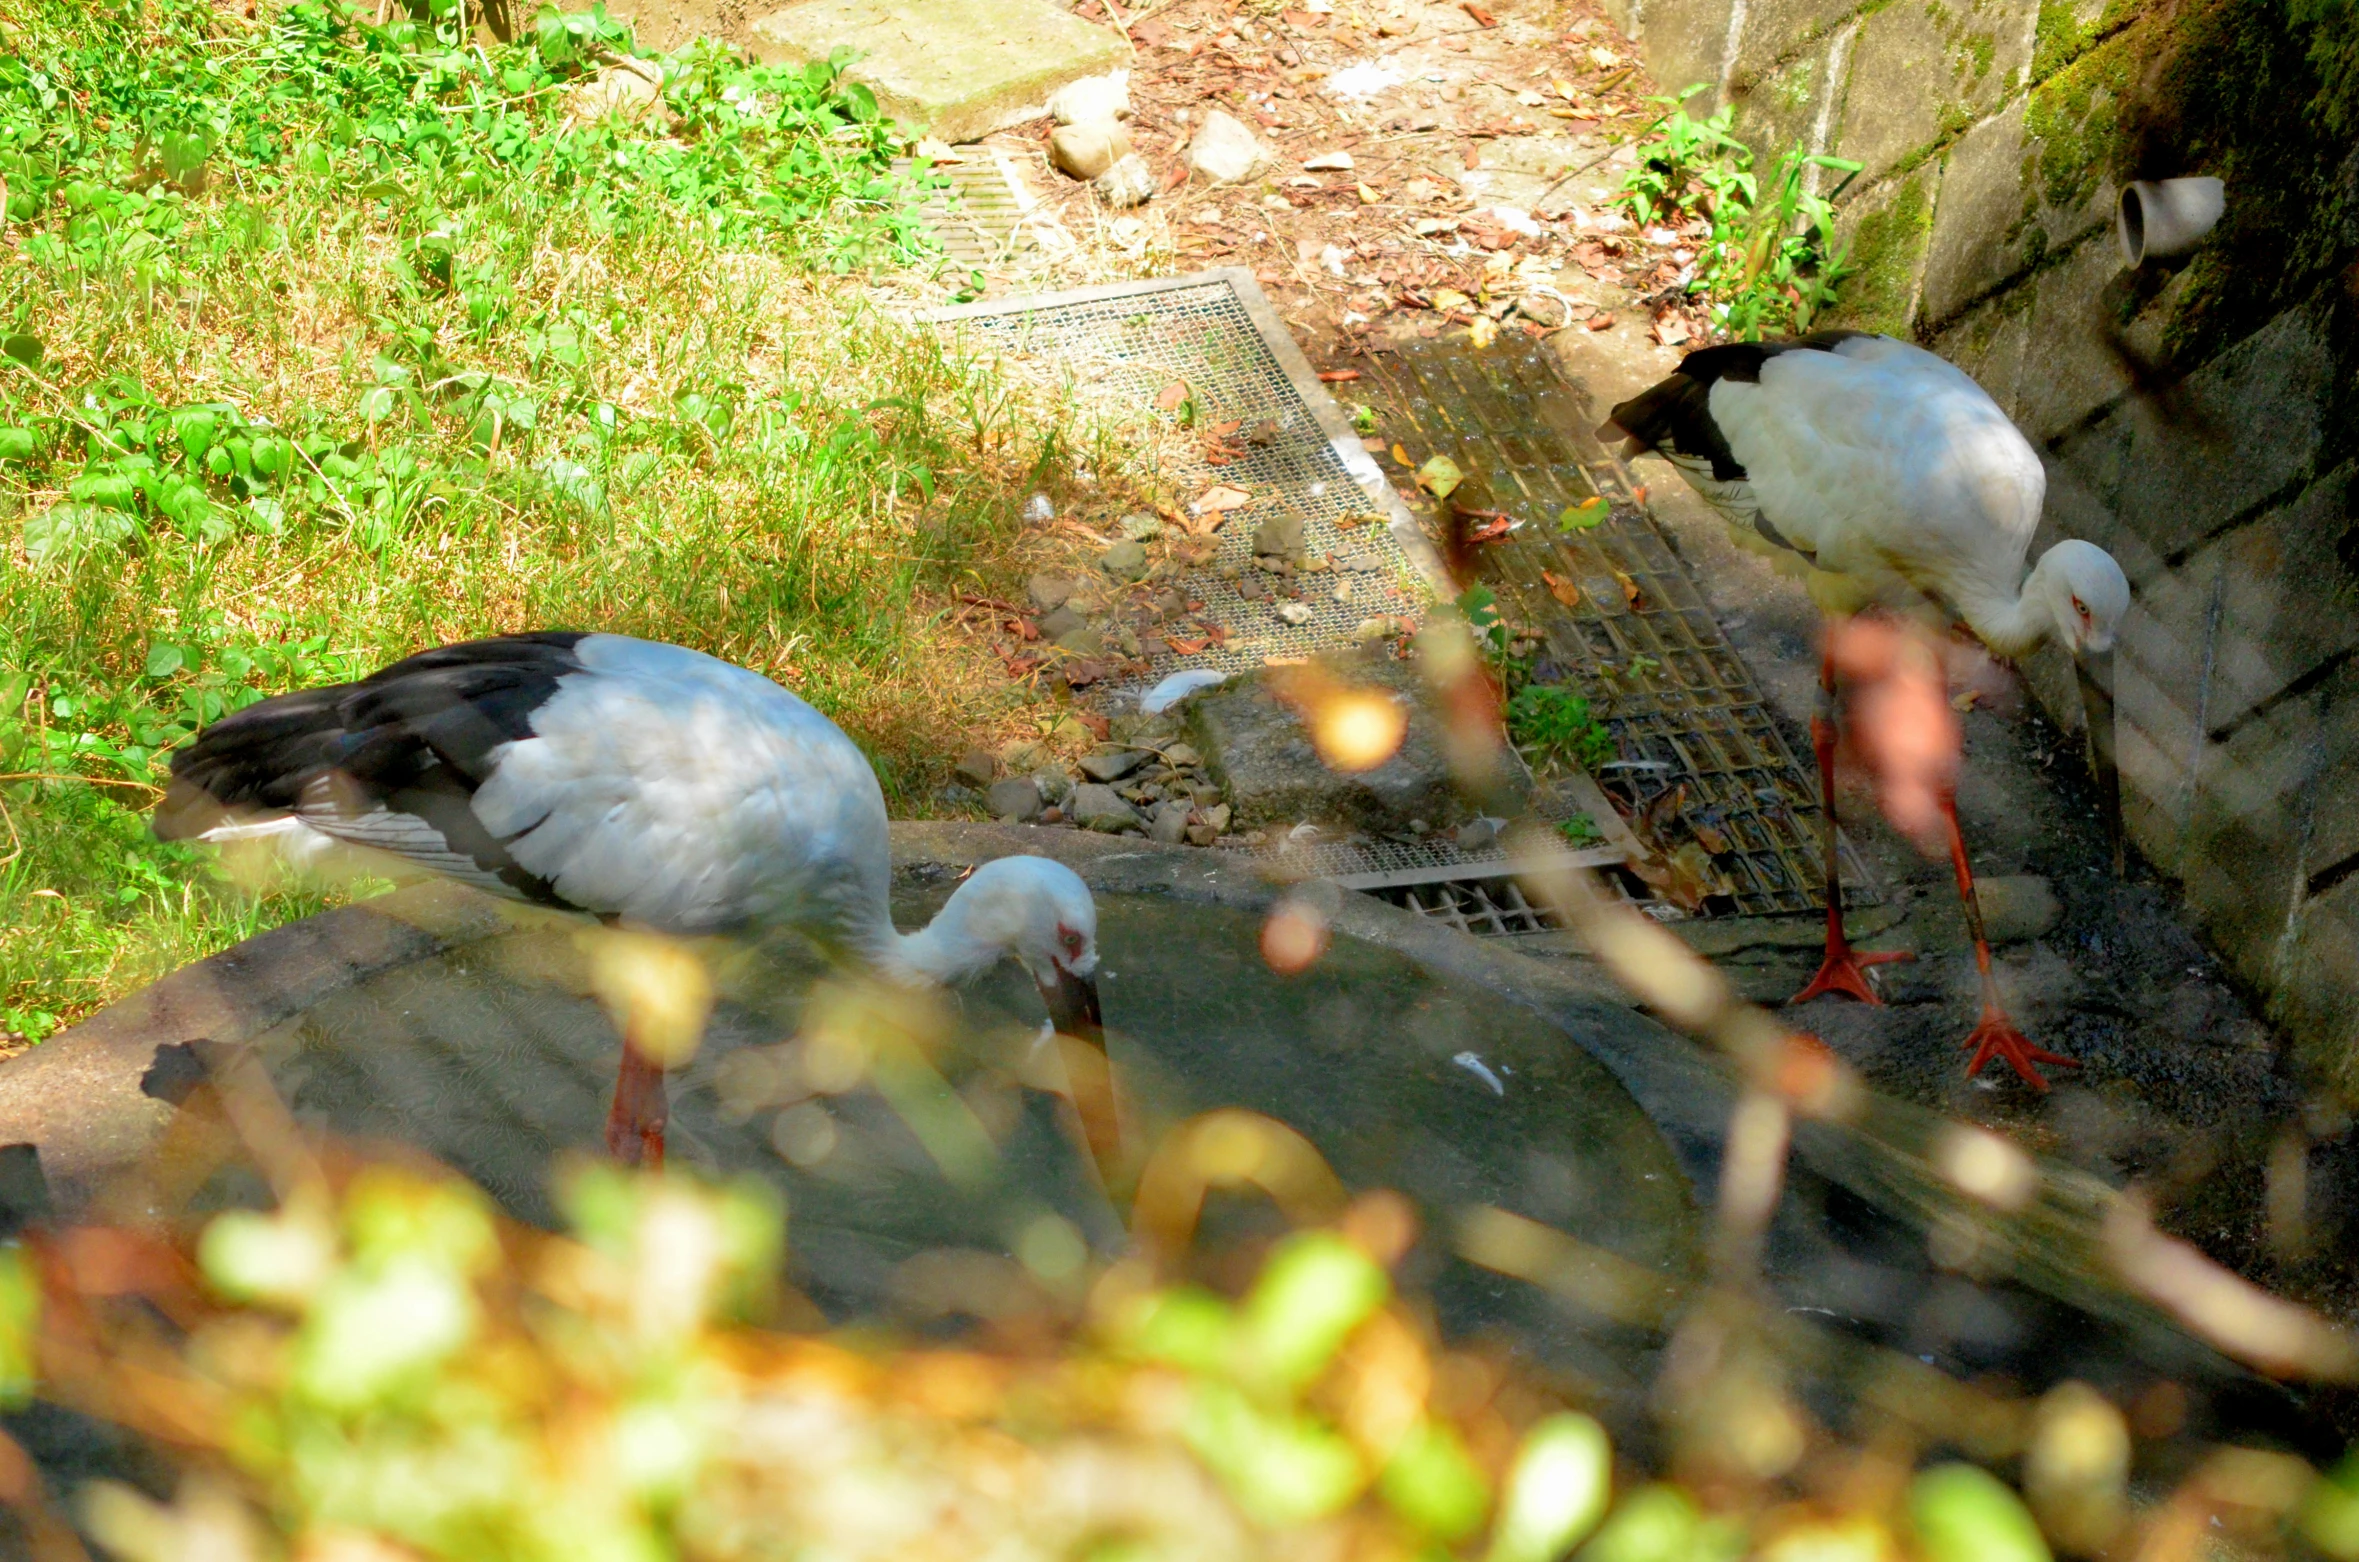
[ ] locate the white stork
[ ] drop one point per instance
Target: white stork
(1895, 481)
(643, 784)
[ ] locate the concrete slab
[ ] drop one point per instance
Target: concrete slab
(1921, 72)
(956, 69)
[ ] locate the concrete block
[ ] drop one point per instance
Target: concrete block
(1977, 244)
(2264, 403)
(2315, 999)
(2334, 815)
(2080, 373)
(1687, 44)
(1888, 230)
(1779, 108)
(2160, 659)
(1990, 341)
(1922, 70)
(2288, 604)
(958, 69)
(2242, 865)
(1777, 31)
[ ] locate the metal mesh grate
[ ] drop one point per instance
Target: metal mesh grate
(1120, 346)
(1486, 907)
(1638, 638)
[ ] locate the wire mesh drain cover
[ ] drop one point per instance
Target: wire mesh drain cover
(1616, 611)
(980, 217)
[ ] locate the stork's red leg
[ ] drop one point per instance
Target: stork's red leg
(1845, 968)
(635, 1122)
(1996, 1036)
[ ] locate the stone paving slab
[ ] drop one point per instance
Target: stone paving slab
(957, 69)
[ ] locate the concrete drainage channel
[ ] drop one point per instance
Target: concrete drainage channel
(1614, 610)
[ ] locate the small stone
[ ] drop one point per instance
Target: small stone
(1478, 835)
(1091, 98)
(1053, 783)
(1252, 589)
(1328, 162)
(977, 767)
(1206, 793)
(1172, 604)
(1315, 565)
(1086, 151)
(1225, 152)
(1279, 537)
(1202, 835)
(624, 90)
(1359, 563)
(1083, 642)
(1111, 764)
(1015, 798)
(1139, 526)
(1021, 757)
(1130, 182)
(1097, 808)
(1125, 560)
(1089, 596)
(1171, 824)
(956, 796)
(1181, 755)
(2017, 907)
(1048, 591)
(1040, 510)
(1217, 816)
(1295, 613)
(1052, 815)
(1128, 639)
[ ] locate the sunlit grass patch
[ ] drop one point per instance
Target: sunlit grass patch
(303, 376)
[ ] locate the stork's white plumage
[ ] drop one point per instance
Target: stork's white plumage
(1888, 477)
(644, 784)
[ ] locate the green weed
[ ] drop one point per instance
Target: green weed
(1551, 721)
(1771, 265)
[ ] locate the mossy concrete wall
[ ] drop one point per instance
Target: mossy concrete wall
(2200, 420)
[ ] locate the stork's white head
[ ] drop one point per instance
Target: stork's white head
(1030, 910)
(2080, 584)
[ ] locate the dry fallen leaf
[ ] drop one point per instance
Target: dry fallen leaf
(1562, 589)
(1220, 497)
(1599, 321)
(1482, 332)
(1401, 454)
(1439, 476)
(1370, 196)
(1670, 329)
(1629, 587)
(1446, 299)
(1964, 699)
(1171, 396)
(1564, 90)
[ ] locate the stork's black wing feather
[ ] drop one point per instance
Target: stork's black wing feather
(375, 760)
(1675, 415)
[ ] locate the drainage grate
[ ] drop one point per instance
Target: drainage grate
(1488, 907)
(1639, 638)
(980, 219)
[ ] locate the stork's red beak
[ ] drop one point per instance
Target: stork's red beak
(1073, 1007)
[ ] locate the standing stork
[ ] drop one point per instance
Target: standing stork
(1893, 480)
(642, 784)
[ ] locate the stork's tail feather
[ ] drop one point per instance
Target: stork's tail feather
(253, 762)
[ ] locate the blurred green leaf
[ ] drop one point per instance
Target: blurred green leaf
(1316, 1289)
(1434, 1483)
(67, 531)
(1282, 1468)
(369, 1335)
(2329, 1516)
(1184, 1326)
(20, 1317)
(1555, 1492)
(280, 1260)
(1963, 1513)
(1440, 476)
(164, 659)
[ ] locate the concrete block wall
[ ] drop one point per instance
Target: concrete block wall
(2201, 422)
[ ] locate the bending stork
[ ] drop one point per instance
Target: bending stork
(1894, 479)
(642, 784)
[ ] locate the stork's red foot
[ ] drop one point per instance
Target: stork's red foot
(635, 1122)
(1997, 1037)
(1845, 971)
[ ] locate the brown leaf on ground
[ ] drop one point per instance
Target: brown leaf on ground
(1170, 396)
(1630, 593)
(1221, 497)
(1482, 18)
(1562, 589)
(1337, 376)
(1598, 322)
(1188, 647)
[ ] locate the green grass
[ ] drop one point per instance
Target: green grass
(326, 342)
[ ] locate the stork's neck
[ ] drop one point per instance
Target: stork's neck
(2011, 623)
(945, 951)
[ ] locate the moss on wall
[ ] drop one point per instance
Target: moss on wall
(2071, 120)
(1887, 250)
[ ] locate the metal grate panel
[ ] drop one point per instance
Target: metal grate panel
(1121, 345)
(980, 219)
(1639, 639)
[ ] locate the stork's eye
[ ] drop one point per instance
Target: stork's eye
(1070, 939)
(2080, 607)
